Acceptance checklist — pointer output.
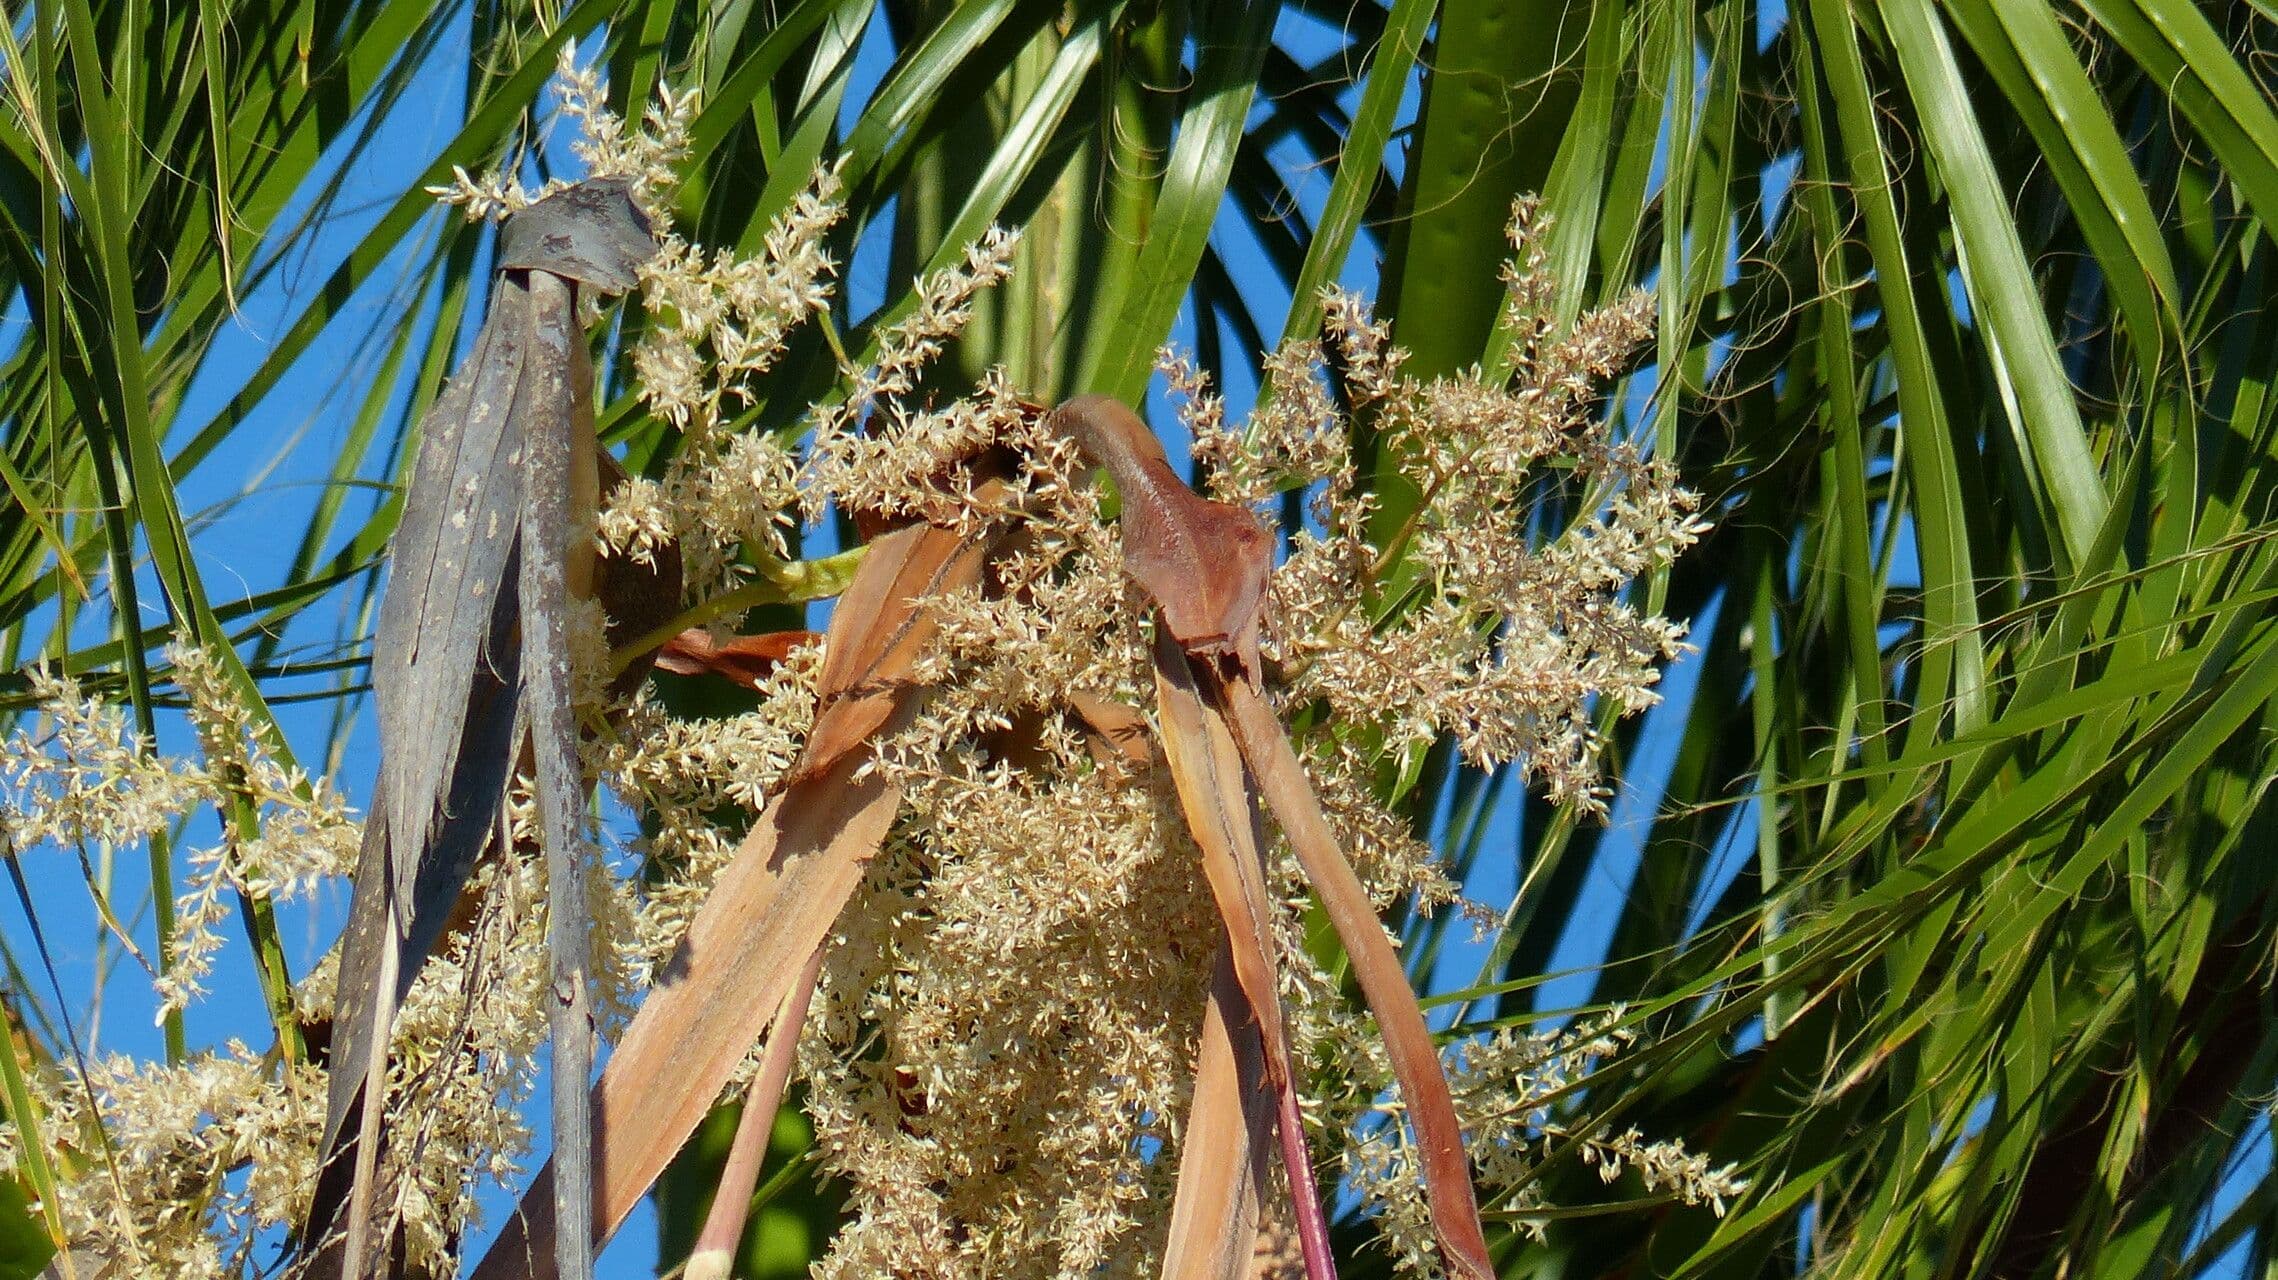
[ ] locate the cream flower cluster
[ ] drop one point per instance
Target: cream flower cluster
(999, 1065)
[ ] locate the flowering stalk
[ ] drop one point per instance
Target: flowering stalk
(977, 791)
(715, 1250)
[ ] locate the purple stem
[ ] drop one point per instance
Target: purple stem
(1304, 1202)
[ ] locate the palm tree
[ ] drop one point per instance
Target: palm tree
(1939, 916)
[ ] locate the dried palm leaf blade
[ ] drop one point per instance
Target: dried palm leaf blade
(1205, 564)
(1224, 1152)
(774, 905)
(1222, 815)
(483, 566)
